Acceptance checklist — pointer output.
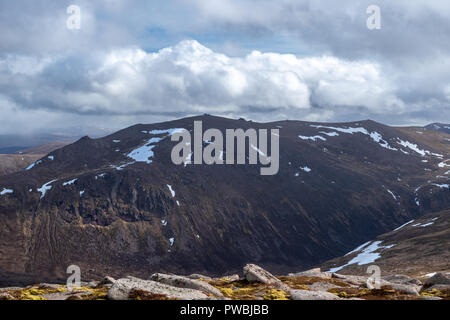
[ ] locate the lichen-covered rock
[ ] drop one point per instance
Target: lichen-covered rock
(312, 295)
(6, 296)
(47, 286)
(439, 287)
(438, 278)
(122, 288)
(402, 279)
(184, 282)
(254, 273)
(410, 289)
(310, 273)
(233, 277)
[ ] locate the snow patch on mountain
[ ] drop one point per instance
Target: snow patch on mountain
(367, 255)
(145, 153)
(377, 137)
(31, 166)
(68, 183)
(171, 190)
(404, 225)
(46, 187)
(6, 191)
(313, 138)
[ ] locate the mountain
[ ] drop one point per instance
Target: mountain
(91, 204)
(22, 158)
(439, 127)
(11, 150)
(417, 248)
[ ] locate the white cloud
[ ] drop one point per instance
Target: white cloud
(189, 78)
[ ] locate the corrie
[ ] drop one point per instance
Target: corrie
(235, 153)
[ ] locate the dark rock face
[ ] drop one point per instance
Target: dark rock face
(112, 217)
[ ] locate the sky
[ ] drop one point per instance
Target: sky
(141, 61)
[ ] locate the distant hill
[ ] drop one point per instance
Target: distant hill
(96, 204)
(44, 148)
(19, 158)
(11, 150)
(439, 127)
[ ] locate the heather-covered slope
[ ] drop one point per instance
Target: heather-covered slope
(417, 248)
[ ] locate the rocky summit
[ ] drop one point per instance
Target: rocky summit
(256, 284)
(118, 206)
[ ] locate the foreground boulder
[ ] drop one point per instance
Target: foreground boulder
(438, 278)
(402, 279)
(197, 276)
(253, 273)
(184, 282)
(122, 288)
(410, 289)
(314, 273)
(355, 280)
(312, 295)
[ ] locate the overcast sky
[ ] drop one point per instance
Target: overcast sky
(140, 61)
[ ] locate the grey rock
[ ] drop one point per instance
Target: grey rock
(322, 286)
(6, 296)
(93, 284)
(312, 295)
(438, 278)
(122, 288)
(184, 282)
(439, 287)
(356, 280)
(233, 277)
(406, 288)
(402, 279)
(253, 273)
(430, 298)
(10, 289)
(107, 280)
(322, 275)
(197, 276)
(315, 270)
(47, 286)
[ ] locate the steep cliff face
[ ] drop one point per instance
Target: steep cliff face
(93, 204)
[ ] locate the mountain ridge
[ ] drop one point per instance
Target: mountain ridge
(90, 205)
